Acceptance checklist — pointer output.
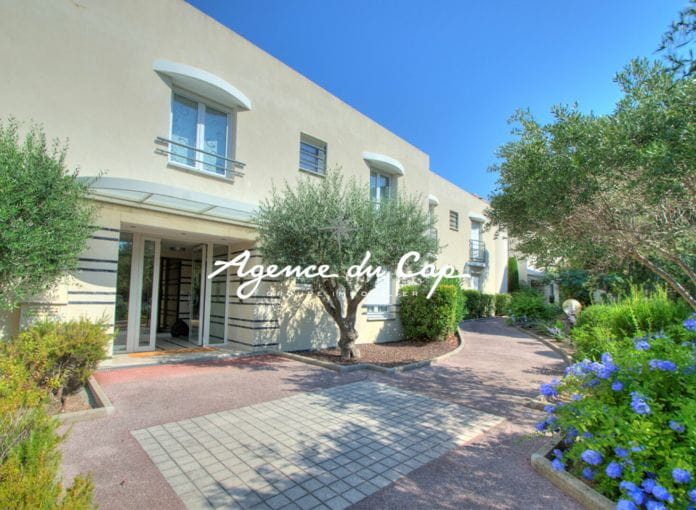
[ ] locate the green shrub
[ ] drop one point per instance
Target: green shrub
(473, 303)
(513, 275)
(461, 298)
(530, 305)
(487, 305)
(29, 455)
(428, 319)
(60, 356)
(609, 327)
(628, 420)
(502, 304)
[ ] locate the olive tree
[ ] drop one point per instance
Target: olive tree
(44, 216)
(332, 221)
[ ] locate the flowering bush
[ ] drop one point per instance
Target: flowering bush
(629, 421)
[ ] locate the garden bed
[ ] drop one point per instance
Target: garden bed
(388, 355)
(88, 403)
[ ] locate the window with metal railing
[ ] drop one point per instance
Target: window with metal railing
(199, 138)
(312, 155)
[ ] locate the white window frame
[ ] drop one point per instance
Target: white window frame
(454, 215)
(202, 103)
(392, 185)
(321, 146)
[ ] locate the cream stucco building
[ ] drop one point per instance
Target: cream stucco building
(182, 135)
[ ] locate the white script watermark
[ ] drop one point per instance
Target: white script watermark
(258, 272)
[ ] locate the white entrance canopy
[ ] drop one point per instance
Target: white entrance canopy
(158, 195)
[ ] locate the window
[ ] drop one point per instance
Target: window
(476, 231)
(200, 135)
(380, 187)
(312, 155)
(454, 220)
(378, 299)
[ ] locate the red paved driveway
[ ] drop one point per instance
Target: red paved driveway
(498, 369)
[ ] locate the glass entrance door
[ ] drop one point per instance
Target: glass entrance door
(144, 288)
(197, 297)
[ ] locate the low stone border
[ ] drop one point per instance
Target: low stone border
(576, 489)
(104, 406)
(566, 357)
(377, 368)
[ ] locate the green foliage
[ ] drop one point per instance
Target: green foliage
(333, 221)
(429, 319)
(636, 409)
(502, 304)
(473, 303)
(60, 356)
(609, 327)
(513, 275)
(602, 192)
(29, 455)
(45, 220)
(487, 305)
(530, 305)
(461, 309)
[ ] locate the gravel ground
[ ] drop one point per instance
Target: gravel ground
(391, 354)
(498, 369)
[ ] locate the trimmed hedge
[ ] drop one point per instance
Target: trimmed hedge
(429, 319)
(502, 304)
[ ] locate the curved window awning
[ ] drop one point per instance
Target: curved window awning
(202, 82)
(144, 193)
(384, 163)
(477, 217)
(432, 200)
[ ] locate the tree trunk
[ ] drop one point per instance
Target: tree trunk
(349, 350)
(673, 282)
(349, 335)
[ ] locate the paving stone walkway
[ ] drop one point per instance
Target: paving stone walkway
(324, 449)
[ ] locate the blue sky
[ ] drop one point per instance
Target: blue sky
(447, 74)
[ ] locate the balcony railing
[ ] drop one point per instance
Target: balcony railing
(433, 233)
(195, 158)
(477, 252)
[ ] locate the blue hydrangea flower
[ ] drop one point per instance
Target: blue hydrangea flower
(541, 426)
(592, 457)
(547, 390)
(641, 343)
(690, 323)
(638, 403)
(557, 453)
(628, 486)
(613, 470)
(664, 365)
(681, 475)
(625, 504)
(692, 495)
(587, 435)
(654, 505)
(648, 484)
(588, 473)
(558, 465)
(621, 452)
(662, 494)
(575, 397)
(617, 386)
(676, 426)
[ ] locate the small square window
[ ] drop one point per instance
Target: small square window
(312, 155)
(454, 220)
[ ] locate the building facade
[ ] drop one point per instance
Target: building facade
(182, 127)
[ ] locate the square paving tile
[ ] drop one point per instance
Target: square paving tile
(335, 446)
